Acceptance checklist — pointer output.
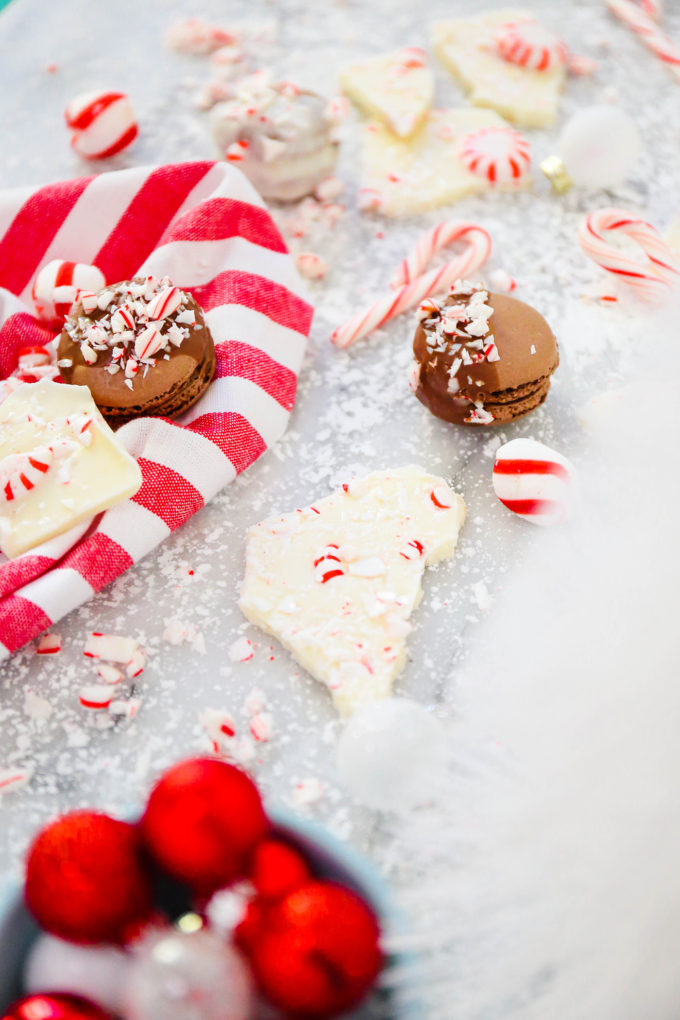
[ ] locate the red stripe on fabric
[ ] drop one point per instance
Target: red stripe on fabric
(258, 293)
(93, 109)
(16, 573)
(98, 559)
(146, 219)
(531, 506)
(233, 434)
(238, 359)
(20, 330)
(219, 218)
(530, 467)
(167, 494)
(33, 229)
(20, 620)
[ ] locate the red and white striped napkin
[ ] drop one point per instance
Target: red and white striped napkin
(203, 225)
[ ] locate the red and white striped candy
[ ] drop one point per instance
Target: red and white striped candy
(498, 154)
(57, 284)
(102, 124)
(49, 644)
(21, 472)
(329, 564)
(110, 647)
(530, 45)
(533, 481)
(641, 18)
(164, 303)
(136, 664)
(653, 278)
(96, 696)
(149, 342)
(413, 285)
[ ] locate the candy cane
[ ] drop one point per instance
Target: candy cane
(412, 288)
(653, 278)
(650, 34)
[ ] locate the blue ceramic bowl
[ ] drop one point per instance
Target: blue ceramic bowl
(330, 859)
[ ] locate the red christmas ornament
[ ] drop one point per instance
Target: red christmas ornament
(85, 880)
(277, 869)
(202, 823)
(318, 952)
(55, 1007)
(247, 931)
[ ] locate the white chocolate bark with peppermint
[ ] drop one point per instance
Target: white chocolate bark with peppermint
(396, 87)
(60, 464)
(337, 582)
(403, 177)
(471, 49)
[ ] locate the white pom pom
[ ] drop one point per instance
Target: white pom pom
(388, 753)
(599, 146)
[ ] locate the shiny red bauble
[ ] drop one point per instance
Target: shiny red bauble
(54, 1007)
(202, 822)
(277, 869)
(85, 878)
(318, 952)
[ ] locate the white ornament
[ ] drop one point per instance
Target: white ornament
(95, 972)
(599, 146)
(187, 976)
(389, 752)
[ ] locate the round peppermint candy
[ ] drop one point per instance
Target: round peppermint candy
(530, 45)
(533, 481)
(102, 124)
(499, 154)
(59, 283)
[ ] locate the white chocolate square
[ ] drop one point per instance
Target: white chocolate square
(396, 88)
(60, 464)
(466, 47)
(337, 582)
(412, 175)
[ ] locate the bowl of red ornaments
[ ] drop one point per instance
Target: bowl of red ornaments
(206, 908)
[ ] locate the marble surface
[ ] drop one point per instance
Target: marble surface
(354, 411)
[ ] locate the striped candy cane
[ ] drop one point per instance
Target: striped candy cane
(643, 24)
(413, 285)
(651, 279)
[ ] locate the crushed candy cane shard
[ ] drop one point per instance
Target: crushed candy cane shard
(60, 464)
(110, 647)
(333, 633)
(12, 780)
(96, 696)
(533, 481)
(49, 644)
(398, 88)
(241, 650)
(468, 47)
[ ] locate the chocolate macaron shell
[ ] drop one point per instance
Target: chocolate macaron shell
(511, 385)
(165, 385)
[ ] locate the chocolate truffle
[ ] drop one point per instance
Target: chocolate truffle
(481, 358)
(142, 347)
(283, 138)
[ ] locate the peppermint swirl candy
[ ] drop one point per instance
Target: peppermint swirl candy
(499, 154)
(530, 45)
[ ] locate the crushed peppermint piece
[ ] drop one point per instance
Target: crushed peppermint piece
(110, 647)
(49, 644)
(14, 779)
(241, 650)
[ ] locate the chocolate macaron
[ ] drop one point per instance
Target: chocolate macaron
(142, 347)
(481, 358)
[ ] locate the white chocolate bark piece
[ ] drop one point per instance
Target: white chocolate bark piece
(467, 47)
(397, 88)
(407, 176)
(337, 582)
(60, 464)
(673, 235)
